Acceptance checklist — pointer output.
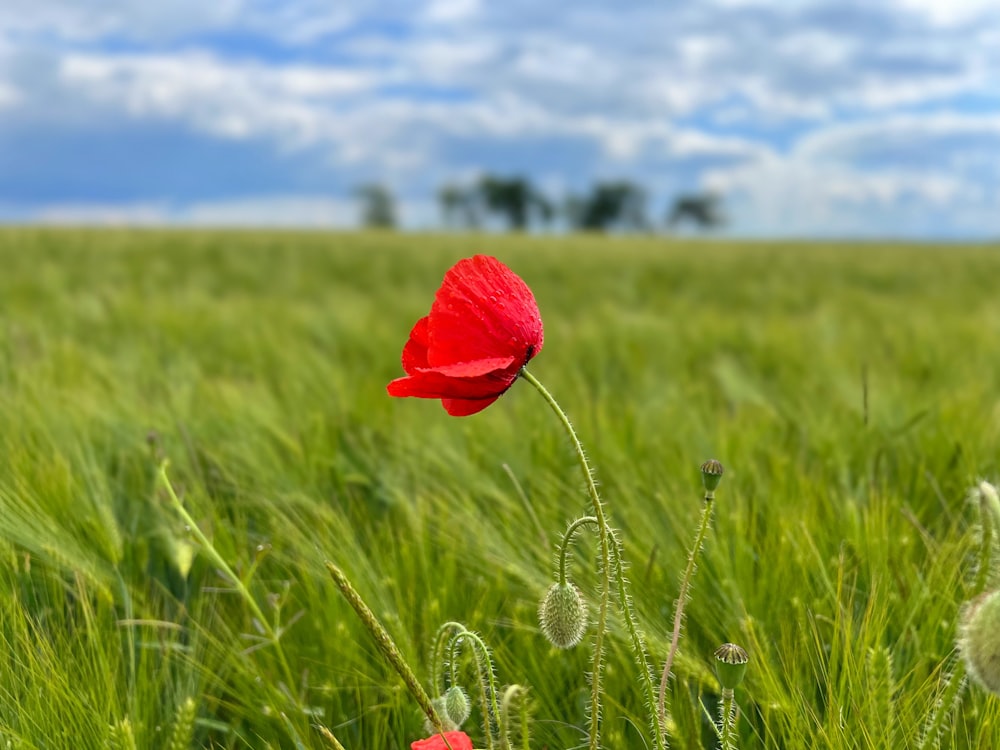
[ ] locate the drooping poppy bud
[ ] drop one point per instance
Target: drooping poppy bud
(563, 615)
(456, 705)
(979, 639)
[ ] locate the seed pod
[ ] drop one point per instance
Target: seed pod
(730, 665)
(711, 475)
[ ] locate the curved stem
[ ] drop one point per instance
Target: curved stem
(602, 617)
(442, 638)
(564, 547)
(987, 530)
(485, 665)
(608, 560)
(706, 519)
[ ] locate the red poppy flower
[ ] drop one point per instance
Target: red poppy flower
(483, 328)
(457, 740)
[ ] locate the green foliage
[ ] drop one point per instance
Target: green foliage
(851, 392)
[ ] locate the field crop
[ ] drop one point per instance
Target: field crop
(851, 391)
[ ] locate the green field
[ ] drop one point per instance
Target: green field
(851, 391)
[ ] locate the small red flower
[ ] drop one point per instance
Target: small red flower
(457, 740)
(483, 328)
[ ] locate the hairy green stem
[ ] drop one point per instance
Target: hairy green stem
(485, 663)
(638, 645)
(668, 665)
(607, 562)
(567, 539)
(990, 500)
(950, 696)
(442, 638)
(989, 521)
(602, 618)
(727, 720)
(987, 529)
(624, 604)
(488, 685)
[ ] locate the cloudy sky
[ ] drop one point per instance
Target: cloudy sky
(812, 117)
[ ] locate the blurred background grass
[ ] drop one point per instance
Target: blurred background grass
(850, 390)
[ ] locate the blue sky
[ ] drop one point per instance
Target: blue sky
(811, 117)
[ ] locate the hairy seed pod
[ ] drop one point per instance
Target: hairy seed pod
(563, 615)
(979, 639)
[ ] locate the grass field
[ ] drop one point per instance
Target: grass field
(852, 393)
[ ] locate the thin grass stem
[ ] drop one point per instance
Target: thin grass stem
(234, 579)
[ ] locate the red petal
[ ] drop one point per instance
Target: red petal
(483, 310)
(457, 740)
(462, 407)
(415, 351)
(479, 367)
(432, 384)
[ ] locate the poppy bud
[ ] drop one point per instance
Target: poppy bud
(730, 665)
(563, 615)
(979, 639)
(441, 708)
(456, 705)
(711, 475)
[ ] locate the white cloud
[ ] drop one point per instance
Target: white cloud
(80, 20)
(938, 173)
(918, 136)
(813, 108)
(291, 104)
(263, 211)
(951, 13)
(9, 96)
(104, 214)
(450, 11)
(271, 211)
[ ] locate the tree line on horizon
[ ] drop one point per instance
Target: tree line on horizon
(516, 205)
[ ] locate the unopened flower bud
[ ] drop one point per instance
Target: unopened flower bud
(711, 475)
(730, 665)
(442, 712)
(456, 705)
(563, 615)
(979, 639)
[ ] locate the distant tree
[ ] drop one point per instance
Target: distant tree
(609, 206)
(378, 207)
(515, 200)
(459, 207)
(704, 210)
